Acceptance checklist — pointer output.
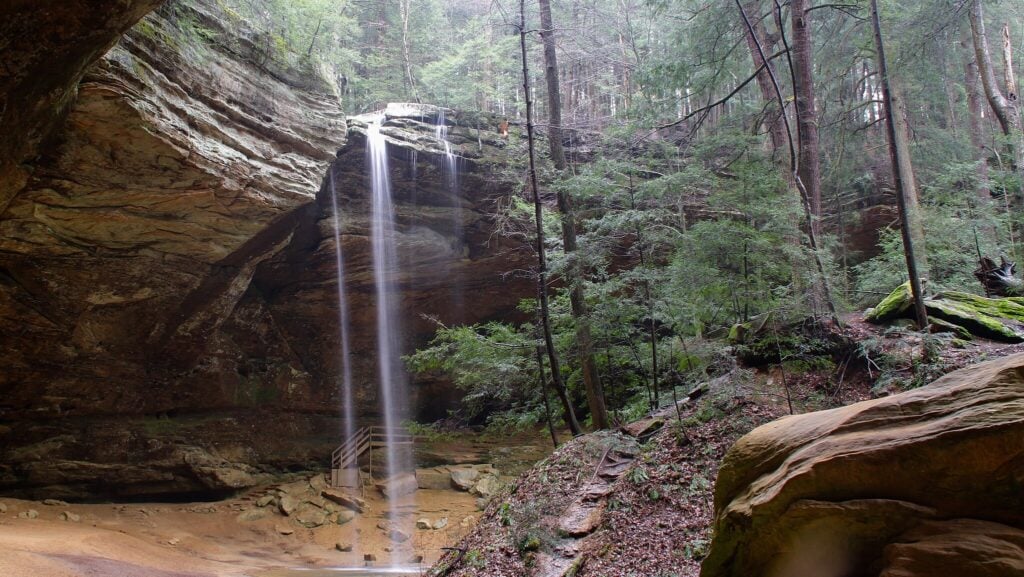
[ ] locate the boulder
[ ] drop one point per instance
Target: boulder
(284, 530)
(844, 491)
(399, 485)
(266, 500)
(342, 498)
(3, 508)
(311, 516)
(29, 514)
(345, 517)
(893, 306)
(464, 477)
(486, 486)
(287, 504)
(394, 533)
(343, 547)
(435, 478)
(956, 548)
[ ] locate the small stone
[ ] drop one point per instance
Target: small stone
(173, 542)
(388, 549)
(415, 559)
(369, 557)
(345, 517)
(466, 521)
(251, 515)
(441, 523)
(30, 514)
(3, 509)
(423, 523)
(285, 530)
(54, 503)
(265, 500)
(343, 547)
(481, 503)
(69, 516)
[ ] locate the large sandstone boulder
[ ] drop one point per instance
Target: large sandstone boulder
(924, 483)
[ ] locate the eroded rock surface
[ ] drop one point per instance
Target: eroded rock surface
(881, 485)
(167, 271)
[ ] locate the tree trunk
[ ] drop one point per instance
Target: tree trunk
(542, 263)
(404, 7)
(1005, 109)
(806, 114)
(896, 155)
(976, 124)
(756, 43)
(907, 178)
(591, 381)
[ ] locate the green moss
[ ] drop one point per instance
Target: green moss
(976, 321)
(1008, 308)
(895, 305)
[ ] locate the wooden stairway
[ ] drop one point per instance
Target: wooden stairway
(345, 459)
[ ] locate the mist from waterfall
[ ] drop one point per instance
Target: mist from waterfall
(393, 382)
(348, 413)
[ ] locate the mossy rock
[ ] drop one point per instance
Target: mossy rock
(893, 306)
(976, 319)
(1007, 308)
(937, 325)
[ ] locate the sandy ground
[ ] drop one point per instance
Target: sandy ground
(208, 539)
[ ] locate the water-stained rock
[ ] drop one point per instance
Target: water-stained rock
(846, 490)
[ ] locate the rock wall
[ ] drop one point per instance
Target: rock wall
(924, 483)
(167, 271)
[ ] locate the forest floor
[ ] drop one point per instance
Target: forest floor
(654, 518)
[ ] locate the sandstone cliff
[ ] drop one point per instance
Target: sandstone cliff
(167, 278)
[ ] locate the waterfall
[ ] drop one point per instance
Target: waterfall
(393, 383)
(451, 161)
(450, 172)
(347, 398)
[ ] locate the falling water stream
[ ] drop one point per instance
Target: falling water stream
(450, 173)
(393, 383)
(347, 398)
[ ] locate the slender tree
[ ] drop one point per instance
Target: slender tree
(542, 264)
(897, 156)
(574, 276)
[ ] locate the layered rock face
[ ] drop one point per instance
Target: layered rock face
(167, 273)
(47, 46)
(924, 483)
